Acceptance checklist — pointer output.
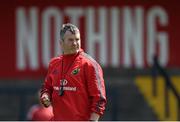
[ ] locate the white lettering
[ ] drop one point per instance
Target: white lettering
(99, 37)
(74, 14)
(66, 88)
(69, 88)
(47, 15)
(154, 37)
(27, 39)
(133, 37)
(114, 29)
(117, 34)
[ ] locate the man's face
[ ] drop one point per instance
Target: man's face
(71, 43)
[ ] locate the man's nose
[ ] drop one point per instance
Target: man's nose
(74, 42)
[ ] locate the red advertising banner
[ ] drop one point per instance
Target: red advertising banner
(116, 33)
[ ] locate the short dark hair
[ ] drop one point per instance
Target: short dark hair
(68, 27)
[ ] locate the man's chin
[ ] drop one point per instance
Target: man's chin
(74, 51)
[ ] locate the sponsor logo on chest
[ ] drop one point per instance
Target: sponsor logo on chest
(64, 83)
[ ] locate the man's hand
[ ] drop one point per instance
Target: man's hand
(45, 100)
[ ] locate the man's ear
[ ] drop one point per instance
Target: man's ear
(61, 42)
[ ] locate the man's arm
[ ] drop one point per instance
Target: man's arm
(96, 89)
(46, 89)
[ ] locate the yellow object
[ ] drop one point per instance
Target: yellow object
(145, 85)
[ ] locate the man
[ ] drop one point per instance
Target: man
(74, 84)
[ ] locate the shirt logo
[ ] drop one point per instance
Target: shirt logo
(63, 82)
(65, 85)
(75, 71)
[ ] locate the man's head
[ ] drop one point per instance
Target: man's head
(70, 39)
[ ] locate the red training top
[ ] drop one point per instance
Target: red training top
(83, 86)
